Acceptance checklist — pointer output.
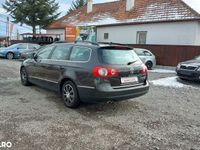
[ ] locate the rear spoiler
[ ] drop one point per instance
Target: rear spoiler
(111, 45)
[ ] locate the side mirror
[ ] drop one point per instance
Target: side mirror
(34, 56)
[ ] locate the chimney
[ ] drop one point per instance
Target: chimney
(129, 4)
(89, 6)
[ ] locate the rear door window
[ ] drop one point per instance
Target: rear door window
(61, 52)
(117, 57)
(22, 46)
(80, 54)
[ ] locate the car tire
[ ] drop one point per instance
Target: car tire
(24, 77)
(10, 55)
(149, 65)
(70, 95)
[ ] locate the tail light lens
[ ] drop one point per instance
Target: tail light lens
(144, 70)
(105, 72)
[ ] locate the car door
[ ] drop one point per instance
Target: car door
(20, 48)
(38, 66)
(56, 65)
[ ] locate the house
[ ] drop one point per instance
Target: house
(158, 22)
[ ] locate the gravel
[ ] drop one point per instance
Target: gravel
(34, 118)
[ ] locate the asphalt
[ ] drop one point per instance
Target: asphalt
(33, 118)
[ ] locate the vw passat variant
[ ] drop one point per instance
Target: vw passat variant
(86, 72)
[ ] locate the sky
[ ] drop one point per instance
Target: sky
(64, 6)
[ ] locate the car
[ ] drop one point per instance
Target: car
(29, 53)
(147, 57)
(189, 70)
(14, 51)
(83, 72)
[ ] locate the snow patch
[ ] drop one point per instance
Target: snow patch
(170, 82)
(162, 71)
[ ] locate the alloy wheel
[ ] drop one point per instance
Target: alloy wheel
(10, 56)
(68, 93)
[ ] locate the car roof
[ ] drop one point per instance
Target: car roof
(96, 45)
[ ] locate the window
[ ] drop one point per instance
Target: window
(142, 52)
(80, 54)
(146, 53)
(44, 52)
(61, 52)
(117, 57)
(141, 37)
(106, 36)
(139, 52)
(33, 46)
(22, 46)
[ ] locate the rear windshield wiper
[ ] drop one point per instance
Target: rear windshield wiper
(132, 62)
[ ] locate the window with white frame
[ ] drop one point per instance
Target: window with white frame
(106, 36)
(141, 37)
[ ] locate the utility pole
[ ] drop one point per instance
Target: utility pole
(7, 31)
(17, 34)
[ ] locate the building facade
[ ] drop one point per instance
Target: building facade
(162, 22)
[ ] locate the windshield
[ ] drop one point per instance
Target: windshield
(117, 57)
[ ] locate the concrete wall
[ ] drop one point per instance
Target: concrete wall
(174, 33)
(57, 31)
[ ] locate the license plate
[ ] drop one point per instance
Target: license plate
(129, 80)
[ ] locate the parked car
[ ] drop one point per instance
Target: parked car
(189, 70)
(147, 57)
(15, 50)
(29, 53)
(87, 72)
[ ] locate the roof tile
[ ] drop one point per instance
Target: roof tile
(115, 12)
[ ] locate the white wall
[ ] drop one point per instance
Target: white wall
(174, 33)
(198, 34)
(57, 31)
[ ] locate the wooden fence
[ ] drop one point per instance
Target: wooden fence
(171, 55)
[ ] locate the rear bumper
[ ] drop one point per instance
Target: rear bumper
(187, 74)
(107, 93)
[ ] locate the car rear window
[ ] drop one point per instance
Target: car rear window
(117, 56)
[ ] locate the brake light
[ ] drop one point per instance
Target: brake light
(105, 72)
(144, 70)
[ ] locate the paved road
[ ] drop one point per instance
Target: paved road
(32, 118)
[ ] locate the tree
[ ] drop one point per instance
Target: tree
(77, 4)
(32, 12)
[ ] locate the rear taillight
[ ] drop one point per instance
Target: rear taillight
(105, 72)
(144, 70)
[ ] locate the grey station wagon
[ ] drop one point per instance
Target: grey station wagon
(86, 72)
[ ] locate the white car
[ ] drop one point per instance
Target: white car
(147, 57)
